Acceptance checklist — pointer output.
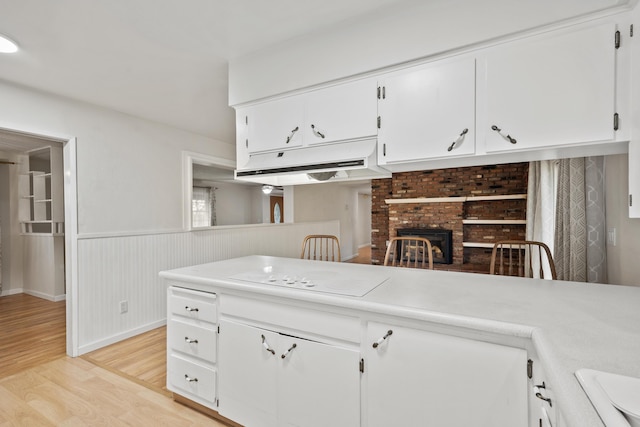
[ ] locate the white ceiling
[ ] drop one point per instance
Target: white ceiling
(163, 60)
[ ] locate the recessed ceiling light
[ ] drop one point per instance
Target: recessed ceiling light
(7, 45)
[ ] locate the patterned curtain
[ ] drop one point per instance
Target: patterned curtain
(212, 206)
(580, 246)
(596, 220)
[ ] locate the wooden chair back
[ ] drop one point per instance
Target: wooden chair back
(409, 251)
(321, 247)
(522, 258)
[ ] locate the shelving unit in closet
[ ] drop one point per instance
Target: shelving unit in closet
(41, 193)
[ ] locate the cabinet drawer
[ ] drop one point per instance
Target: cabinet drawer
(192, 339)
(333, 325)
(192, 304)
(191, 379)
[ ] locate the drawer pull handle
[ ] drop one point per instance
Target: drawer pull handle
(191, 309)
(381, 340)
(546, 399)
(289, 351)
(190, 340)
(188, 379)
(266, 346)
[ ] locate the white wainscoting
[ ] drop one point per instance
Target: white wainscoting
(125, 268)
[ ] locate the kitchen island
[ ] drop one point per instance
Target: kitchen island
(362, 313)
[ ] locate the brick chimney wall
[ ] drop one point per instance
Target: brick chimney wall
(491, 180)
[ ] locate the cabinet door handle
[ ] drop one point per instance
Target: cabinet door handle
(460, 138)
(381, 340)
(293, 132)
(316, 132)
(189, 379)
(546, 399)
(507, 137)
(190, 340)
(191, 309)
(289, 351)
(266, 346)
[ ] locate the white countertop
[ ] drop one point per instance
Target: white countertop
(572, 325)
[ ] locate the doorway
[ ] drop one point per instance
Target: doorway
(276, 207)
(59, 235)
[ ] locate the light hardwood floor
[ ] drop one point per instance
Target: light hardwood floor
(41, 386)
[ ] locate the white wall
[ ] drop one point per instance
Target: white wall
(333, 201)
(363, 222)
(403, 32)
(129, 169)
(236, 204)
(12, 244)
(623, 266)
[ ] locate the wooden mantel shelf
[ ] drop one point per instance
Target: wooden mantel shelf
(455, 199)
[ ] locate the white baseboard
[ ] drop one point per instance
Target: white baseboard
(120, 337)
(54, 298)
(11, 292)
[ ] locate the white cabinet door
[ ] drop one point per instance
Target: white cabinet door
(319, 385)
(428, 112)
(247, 370)
(343, 112)
(268, 379)
(634, 145)
(417, 377)
(275, 124)
(553, 89)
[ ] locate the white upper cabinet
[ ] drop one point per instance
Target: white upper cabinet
(341, 112)
(336, 113)
(274, 125)
(428, 112)
(553, 89)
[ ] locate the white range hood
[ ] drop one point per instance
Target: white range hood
(353, 160)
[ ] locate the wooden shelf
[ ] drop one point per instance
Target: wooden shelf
(495, 221)
(455, 199)
(477, 245)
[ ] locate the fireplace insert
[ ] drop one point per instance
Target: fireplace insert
(441, 242)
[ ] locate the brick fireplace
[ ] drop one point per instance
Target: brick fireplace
(468, 201)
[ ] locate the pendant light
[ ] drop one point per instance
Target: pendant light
(7, 45)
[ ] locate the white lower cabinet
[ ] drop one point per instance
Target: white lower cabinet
(543, 405)
(420, 378)
(272, 379)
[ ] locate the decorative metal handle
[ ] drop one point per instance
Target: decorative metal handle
(189, 379)
(453, 144)
(190, 340)
(191, 309)
(266, 346)
(381, 340)
(289, 351)
(317, 133)
(546, 399)
(293, 132)
(508, 137)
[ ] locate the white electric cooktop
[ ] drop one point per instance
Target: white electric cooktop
(315, 278)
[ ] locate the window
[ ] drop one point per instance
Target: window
(203, 207)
